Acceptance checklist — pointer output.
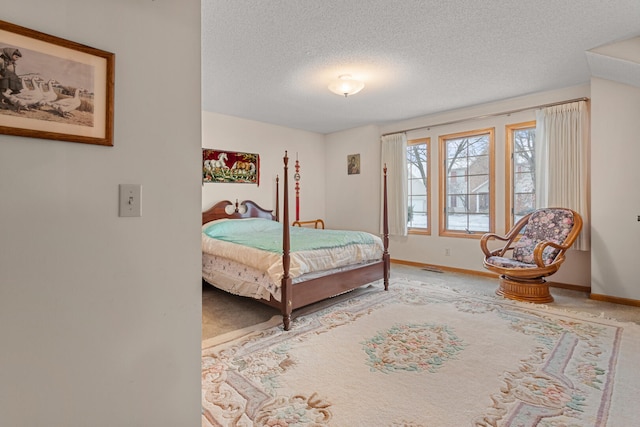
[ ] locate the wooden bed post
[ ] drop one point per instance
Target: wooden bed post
(277, 198)
(286, 286)
(296, 177)
(385, 229)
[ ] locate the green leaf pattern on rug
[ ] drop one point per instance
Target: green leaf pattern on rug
(589, 373)
(412, 347)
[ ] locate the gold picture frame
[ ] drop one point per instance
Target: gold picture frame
(353, 164)
(76, 81)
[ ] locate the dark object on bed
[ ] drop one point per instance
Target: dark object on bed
(317, 289)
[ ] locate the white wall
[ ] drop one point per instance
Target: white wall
(270, 142)
(350, 200)
(615, 203)
(353, 201)
(100, 316)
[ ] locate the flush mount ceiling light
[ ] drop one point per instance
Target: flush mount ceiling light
(346, 85)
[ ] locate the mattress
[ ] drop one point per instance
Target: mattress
(231, 264)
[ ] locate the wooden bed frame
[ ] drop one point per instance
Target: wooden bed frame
(317, 289)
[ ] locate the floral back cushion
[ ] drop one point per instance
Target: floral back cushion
(544, 224)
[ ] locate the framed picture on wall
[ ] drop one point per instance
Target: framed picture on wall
(54, 88)
(353, 164)
(230, 166)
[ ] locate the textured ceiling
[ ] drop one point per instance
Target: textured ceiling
(271, 61)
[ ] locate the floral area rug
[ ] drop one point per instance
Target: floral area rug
(422, 355)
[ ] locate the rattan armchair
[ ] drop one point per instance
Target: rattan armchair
(533, 249)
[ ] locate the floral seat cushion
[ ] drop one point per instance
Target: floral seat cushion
(503, 262)
(545, 224)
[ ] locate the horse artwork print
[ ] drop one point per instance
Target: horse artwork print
(228, 166)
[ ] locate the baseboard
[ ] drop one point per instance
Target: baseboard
(444, 268)
(433, 267)
(615, 300)
(578, 288)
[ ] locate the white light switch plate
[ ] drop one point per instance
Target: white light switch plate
(130, 199)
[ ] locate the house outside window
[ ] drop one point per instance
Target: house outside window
(467, 183)
(520, 171)
(419, 194)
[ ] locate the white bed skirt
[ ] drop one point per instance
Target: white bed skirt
(243, 280)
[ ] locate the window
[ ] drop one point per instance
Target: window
(418, 191)
(467, 183)
(520, 171)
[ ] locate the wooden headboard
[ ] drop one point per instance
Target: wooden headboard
(245, 209)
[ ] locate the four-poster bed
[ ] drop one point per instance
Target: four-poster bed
(367, 260)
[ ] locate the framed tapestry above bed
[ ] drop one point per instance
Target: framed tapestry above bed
(230, 166)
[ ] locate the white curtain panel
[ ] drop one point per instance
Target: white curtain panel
(394, 156)
(562, 149)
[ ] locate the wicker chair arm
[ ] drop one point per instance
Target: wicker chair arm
(485, 248)
(509, 238)
(539, 250)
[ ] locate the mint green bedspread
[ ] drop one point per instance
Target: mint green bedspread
(267, 235)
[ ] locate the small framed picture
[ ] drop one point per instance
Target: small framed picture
(353, 164)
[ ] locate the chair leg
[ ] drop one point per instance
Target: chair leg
(536, 290)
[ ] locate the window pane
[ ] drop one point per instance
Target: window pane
(521, 138)
(457, 184)
(457, 222)
(523, 183)
(479, 165)
(455, 146)
(523, 162)
(419, 220)
(467, 181)
(458, 165)
(524, 139)
(479, 222)
(415, 172)
(523, 204)
(417, 184)
(457, 203)
(479, 145)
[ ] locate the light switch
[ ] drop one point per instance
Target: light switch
(130, 199)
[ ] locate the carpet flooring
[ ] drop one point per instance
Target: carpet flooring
(427, 354)
(222, 312)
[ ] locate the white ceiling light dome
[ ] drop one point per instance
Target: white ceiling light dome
(346, 85)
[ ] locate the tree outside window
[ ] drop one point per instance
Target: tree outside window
(418, 192)
(467, 183)
(521, 179)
